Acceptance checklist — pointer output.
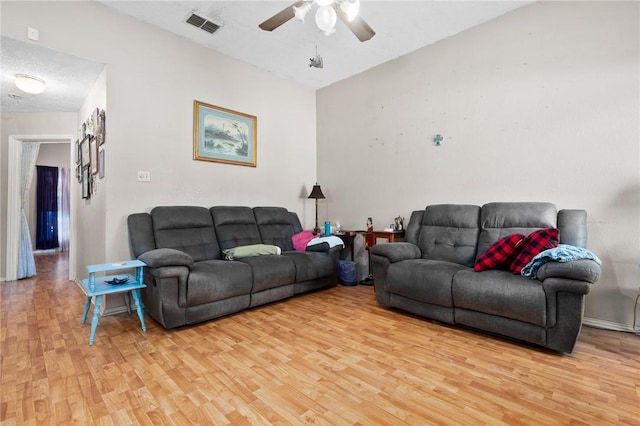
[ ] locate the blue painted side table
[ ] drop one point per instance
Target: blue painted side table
(99, 287)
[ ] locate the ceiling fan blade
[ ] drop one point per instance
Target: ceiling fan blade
(358, 26)
(281, 17)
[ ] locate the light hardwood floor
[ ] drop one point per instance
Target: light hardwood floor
(333, 357)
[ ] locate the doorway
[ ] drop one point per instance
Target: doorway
(13, 200)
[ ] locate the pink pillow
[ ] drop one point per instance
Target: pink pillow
(536, 242)
(500, 254)
(301, 239)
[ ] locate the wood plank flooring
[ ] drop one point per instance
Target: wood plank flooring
(330, 358)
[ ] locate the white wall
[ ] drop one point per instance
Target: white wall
(91, 217)
(152, 79)
(541, 104)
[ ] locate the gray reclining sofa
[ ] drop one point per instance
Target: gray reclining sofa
(432, 275)
(188, 279)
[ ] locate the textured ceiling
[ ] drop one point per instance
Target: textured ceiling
(401, 27)
(68, 78)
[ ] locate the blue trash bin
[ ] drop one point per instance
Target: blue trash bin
(348, 273)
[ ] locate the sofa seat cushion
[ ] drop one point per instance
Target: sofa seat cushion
(311, 265)
(214, 280)
(423, 280)
(270, 271)
(502, 294)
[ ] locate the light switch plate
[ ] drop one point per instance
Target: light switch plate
(144, 176)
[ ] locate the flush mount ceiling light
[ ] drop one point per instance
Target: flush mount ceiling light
(29, 84)
(326, 16)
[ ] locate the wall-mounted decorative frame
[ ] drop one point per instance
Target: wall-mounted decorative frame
(101, 133)
(101, 163)
(86, 182)
(93, 154)
(78, 152)
(224, 136)
(85, 158)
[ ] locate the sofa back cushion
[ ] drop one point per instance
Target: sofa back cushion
(186, 228)
(449, 232)
(141, 237)
(412, 231)
(235, 226)
(276, 226)
(498, 220)
(572, 224)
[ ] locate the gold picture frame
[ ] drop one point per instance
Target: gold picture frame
(223, 135)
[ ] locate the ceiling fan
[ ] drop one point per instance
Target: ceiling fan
(328, 11)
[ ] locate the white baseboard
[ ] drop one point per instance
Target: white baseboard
(609, 325)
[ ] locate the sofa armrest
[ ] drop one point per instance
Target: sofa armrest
(395, 252)
(172, 283)
(320, 247)
(585, 270)
(158, 258)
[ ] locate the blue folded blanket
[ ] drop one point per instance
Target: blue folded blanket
(561, 253)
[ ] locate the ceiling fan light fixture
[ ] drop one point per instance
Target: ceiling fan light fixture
(351, 8)
(301, 11)
(29, 84)
(326, 18)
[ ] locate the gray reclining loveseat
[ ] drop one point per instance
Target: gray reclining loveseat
(188, 279)
(432, 273)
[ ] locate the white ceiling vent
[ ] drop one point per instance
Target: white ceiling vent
(203, 23)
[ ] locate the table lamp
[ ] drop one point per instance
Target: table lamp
(316, 194)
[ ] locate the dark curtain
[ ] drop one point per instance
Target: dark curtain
(47, 208)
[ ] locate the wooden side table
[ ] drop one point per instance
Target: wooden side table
(348, 237)
(392, 236)
(99, 287)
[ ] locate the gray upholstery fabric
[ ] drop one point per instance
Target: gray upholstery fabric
(208, 311)
(502, 294)
(397, 252)
(235, 226)
(501, 219)
(427, 310)
(311, 265)
(140, 233)
(546, 311)
(274, 224)
(563, 335)
(412, 231)
(579, 270)
(423, 280)
(187, 282)
(572, 225)
(215, 280)
(270, 271)
(295, 222)
(186, 228)
(166, 257)
(165, 295)
(501, 326)
(450, 233)
(272, 294)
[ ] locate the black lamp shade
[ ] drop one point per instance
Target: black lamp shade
(316, 192)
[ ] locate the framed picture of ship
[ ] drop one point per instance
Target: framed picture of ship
(224, 136)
